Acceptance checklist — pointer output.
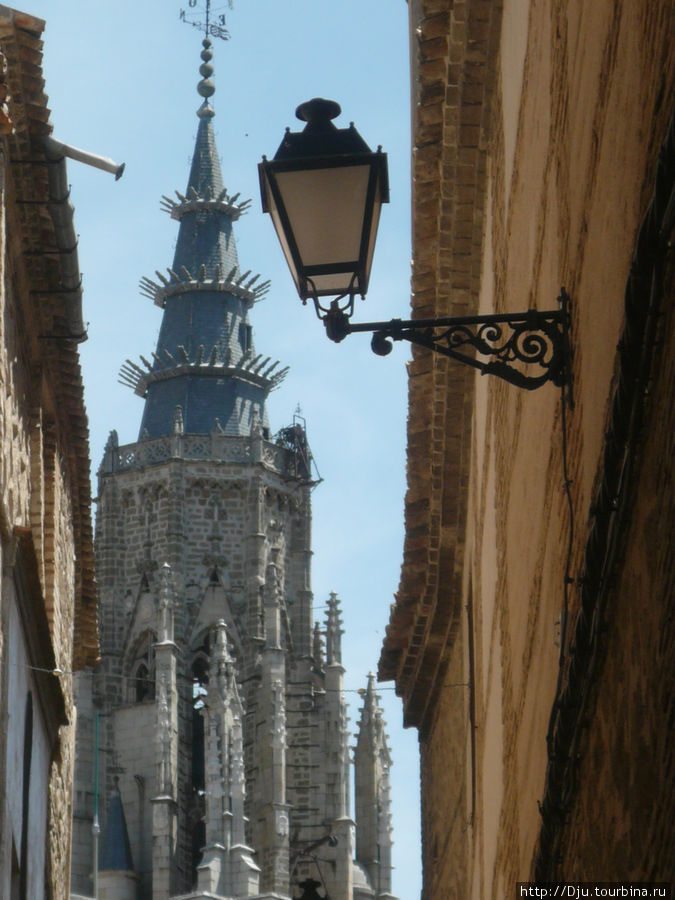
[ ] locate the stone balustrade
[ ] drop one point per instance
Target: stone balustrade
(215, 446)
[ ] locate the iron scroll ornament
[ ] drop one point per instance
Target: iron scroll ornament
(511, 341)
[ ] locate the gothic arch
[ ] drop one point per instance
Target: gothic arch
(139, 668)
(215, 603)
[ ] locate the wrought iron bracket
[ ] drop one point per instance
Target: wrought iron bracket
(513, 343)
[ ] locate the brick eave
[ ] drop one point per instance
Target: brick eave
(25, 104)
(447, 252)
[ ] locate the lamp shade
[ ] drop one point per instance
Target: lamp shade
(324, 190)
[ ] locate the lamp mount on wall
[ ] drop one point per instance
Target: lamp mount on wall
(324, 190)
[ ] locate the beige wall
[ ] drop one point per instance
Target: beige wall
(539, 122)
(572, 122)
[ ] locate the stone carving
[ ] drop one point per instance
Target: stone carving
(278, 715)
(282, 823)
(166, 604)
(217, 446)
(178, 420)
(163, 738)
(334, 631)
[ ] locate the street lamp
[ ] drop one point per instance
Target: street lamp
(324, 190)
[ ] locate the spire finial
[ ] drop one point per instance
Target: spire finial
(206, 87)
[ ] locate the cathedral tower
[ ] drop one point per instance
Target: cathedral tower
(212, 749)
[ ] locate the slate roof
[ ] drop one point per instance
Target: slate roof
(116, 849)
(206, 237)
(204, 362)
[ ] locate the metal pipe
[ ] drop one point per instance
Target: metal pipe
(57, 150)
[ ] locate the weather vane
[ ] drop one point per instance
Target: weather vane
(211, 29)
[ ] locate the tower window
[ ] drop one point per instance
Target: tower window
(245, 336)
(142, 684)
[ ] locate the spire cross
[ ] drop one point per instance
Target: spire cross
(210, 29)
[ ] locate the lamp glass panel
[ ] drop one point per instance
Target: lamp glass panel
(326, 208)
(377, 208)
(281, 234)
(335, 283)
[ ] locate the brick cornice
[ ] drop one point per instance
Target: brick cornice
(454, 52)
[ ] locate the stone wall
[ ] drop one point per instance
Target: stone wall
(134, 728)
(219, 517)
(46, 551)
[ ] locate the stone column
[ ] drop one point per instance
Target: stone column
(337, 746)
(271, 746)
(255, 558)
(301, 550)
(227, 867)
(164, 803)
(372, 762)
(339, 876)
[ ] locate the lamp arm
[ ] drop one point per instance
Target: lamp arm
(533, 337)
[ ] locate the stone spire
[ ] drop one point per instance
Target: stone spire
(335, 757)
(372, 763)
(270, 827)
(227, 868)
(205, 361)
(334, 630)
(164, 809)
(317, 647)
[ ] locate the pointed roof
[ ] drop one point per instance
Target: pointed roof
(116, 849)
(334, 630)
(210, 241)
(371, 706)
(371, 735)
(204, 362)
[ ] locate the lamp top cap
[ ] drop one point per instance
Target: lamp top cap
(318, 111)
(320, 138)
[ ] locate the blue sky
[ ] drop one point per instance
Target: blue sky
(121, 79)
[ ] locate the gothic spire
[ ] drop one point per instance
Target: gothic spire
(372, 763)
(204, 361)
(334, 630)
